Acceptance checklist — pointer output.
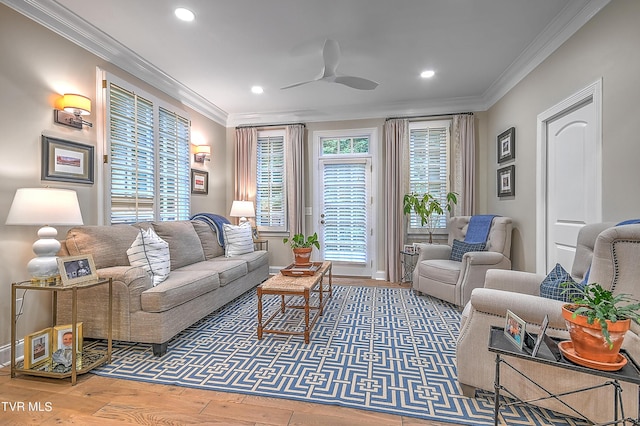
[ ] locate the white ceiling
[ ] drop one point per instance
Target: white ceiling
(479, 49)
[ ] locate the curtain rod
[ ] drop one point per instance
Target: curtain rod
(244, 126)
(428, 116)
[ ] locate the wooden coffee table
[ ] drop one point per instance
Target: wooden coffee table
(295, 286)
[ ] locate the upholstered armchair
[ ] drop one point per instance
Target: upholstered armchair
(451, 280)
(612, 255)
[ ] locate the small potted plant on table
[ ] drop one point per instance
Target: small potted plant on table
(302, 247)
(597, 321)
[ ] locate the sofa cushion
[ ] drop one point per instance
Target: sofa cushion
(552, 288)
(208, 239)
(107, 244)
(228, 270)
(459, 248)
(237, 239)
(180, 287)
(254, 259)
(184, 244)
(441, 270)
(151, 253)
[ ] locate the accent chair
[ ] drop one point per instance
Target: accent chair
(611, 254)
(437, 275)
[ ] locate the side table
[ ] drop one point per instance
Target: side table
(408, 260)
(80, 363)
(499, 344)
(261, 244)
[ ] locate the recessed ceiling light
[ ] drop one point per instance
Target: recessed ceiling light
(427, 74)
(257, 90)
(184, 14)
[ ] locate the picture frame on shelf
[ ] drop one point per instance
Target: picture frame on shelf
(37, 348)
(541, 335)
(199, 182)
(62, 337)
(77, 269)
(409, 249)
(507, 181)
(67, 161)
(507, 145)
(515, 329)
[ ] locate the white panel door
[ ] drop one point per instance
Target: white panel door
(572, 181)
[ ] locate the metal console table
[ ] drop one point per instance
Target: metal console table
(499, 344)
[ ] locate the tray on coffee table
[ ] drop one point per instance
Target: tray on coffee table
(294, 270)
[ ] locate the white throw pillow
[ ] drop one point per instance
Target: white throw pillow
(237, 239)
(151, 253)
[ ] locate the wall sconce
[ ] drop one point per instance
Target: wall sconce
(202, 153)
(69, 109)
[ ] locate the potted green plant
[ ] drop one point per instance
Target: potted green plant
(597, 321)
(427, 207)
(302, 247)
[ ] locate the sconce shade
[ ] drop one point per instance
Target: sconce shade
(75, 104)
(242, 209)
(45, 206)
(202, 149)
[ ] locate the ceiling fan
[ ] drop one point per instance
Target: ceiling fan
(331, 56)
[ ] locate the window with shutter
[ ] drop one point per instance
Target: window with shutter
(149, 158)
(429, 164)
(271, 201)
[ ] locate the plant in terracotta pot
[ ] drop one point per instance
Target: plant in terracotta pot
(428, 207)
(597, 321)
(302, 247)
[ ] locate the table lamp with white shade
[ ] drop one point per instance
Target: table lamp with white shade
(243, 210)
(45, 206)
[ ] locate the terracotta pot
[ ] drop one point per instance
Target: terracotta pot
(302, 256)
(588, 341)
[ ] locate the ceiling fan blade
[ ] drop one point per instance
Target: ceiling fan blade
(331, 56)
(356, 82)
(297, 84)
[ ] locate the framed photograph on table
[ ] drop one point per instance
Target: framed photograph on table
(37, 348)
(77, 269)
(63, 337)
(199, 182)
(514, 329)
(507, 145)
(507, 181)
(66, 161)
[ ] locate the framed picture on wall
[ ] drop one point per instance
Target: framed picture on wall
(66, 161)
(199, 182)
(507, 181)
(507, 145)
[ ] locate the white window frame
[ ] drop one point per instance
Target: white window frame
(157, 104)
(420, 125)
(285, 226)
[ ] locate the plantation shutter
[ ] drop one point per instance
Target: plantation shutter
(345, 210)
(132, 156)
(270, 183)
(428, 170)
(174, 167)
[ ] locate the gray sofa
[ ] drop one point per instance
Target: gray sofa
(201, 280)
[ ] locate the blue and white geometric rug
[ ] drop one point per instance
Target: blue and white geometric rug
(381, 349)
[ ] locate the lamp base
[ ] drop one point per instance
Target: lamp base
(45, 264)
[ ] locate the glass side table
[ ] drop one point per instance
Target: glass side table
(82, 361)
(408, 260)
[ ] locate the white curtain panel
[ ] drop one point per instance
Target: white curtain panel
(246, 143)
(395, 132)
(294, 138)
(464, 154)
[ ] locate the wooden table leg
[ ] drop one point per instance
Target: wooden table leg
(259, 313)
(282, 303)
(306, 315)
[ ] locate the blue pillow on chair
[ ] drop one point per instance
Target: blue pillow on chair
(459, 248)
(551, 288)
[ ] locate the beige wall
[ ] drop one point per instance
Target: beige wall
(607, 48)
(36, 66)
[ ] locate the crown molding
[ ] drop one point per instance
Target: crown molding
(65, 23)
(568, 22)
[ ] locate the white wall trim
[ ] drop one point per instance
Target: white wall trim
(593, 93)
(5, 353)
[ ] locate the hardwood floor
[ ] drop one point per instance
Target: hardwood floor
(100, 401)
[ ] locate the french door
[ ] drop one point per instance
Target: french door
(343, 213)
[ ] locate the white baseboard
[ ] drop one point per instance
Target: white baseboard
(380, 275)
(5, 353)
